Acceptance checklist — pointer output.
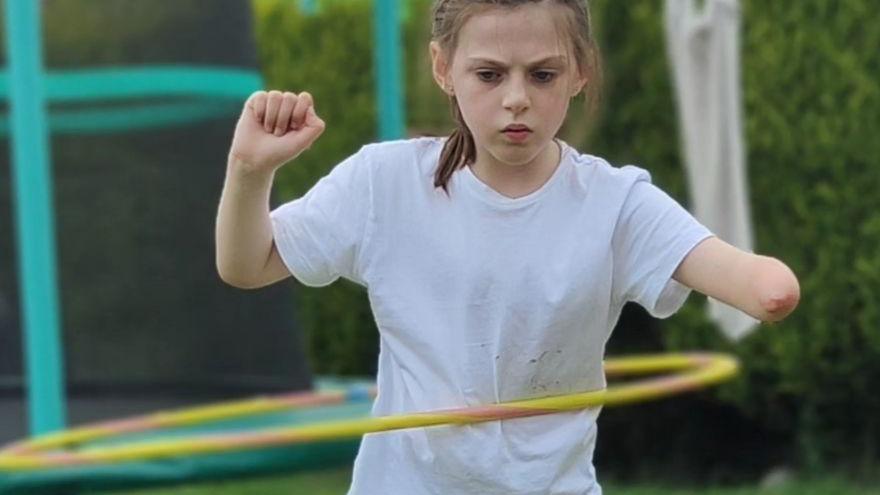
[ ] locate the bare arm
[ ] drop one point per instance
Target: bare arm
(246, 254)
(761, 286)
(273, 129)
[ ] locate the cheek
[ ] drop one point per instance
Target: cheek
(475, 110)
(563, 107)
(463, 93)
(558, 106)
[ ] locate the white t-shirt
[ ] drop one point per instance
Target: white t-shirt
(480, 298)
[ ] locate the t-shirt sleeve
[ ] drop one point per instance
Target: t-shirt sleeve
(652, 237)
(320, 235)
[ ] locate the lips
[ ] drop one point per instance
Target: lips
(517, 133)
(517, 128)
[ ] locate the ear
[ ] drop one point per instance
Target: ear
(579, 84)
(440, 68)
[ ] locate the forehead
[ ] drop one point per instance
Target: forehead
(514, 35)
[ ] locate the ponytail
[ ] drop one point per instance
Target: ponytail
(458, 151)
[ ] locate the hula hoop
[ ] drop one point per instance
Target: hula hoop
(690, 372)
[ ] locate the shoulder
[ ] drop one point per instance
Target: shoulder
(422, 152)
(593, 173)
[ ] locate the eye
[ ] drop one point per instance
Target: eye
(488, 75)
(543, 76)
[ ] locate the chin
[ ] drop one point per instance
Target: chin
(525, 162)
(516, 154)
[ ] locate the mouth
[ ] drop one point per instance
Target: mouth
(517, 128)
(517, 132)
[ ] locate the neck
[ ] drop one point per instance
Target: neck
(515, 181)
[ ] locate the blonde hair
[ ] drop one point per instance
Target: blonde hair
(448, 18)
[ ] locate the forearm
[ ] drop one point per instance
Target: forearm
(761, 286)
(243, 231)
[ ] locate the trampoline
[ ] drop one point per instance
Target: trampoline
(142, 98)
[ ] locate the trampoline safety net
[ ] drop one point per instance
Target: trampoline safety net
(143, 98)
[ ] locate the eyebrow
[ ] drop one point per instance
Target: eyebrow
(553, 60)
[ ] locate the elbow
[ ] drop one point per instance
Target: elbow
(234, 279)
(777, 290)
(230, 279)
(240, 283)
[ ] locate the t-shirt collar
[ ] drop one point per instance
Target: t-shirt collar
(489, 195)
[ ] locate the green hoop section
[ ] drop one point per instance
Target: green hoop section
(129, 98)
(88, 446)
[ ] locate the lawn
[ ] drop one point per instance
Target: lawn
(335, 482)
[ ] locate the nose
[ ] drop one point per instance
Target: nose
(516, 98)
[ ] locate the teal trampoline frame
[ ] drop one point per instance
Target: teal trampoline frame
(30, 88)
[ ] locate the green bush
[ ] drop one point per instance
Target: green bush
(812, 99)
(810, 74)
(329, 55)
(808, 389)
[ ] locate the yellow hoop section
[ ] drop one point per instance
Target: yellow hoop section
(688, 372)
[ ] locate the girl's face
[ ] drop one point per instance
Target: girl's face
(513, 73)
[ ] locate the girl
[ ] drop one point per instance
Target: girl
(497, 260)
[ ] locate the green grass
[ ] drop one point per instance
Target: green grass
(325, 482)
(817, 487)
(335, 482)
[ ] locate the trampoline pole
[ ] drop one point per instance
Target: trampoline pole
(308, 6)
(389, 95)
(34, 217)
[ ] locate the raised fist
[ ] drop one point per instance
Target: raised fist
(274, 128)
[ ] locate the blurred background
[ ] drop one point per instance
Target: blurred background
(134, 212)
